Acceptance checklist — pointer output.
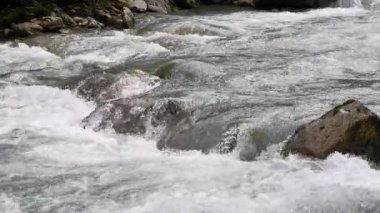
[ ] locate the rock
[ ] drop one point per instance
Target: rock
(26, 28)
(105, 87)
(118, 20)
(68, 20)
(348, 128)
(51, 23)
(293, 4)
(187, 3)
(88, 22)
(161, 6)
(245, 3)
(128, 18)
(102, 15)
(64, 31)
(137, 6)
(144, 116)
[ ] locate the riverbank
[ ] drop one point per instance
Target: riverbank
(28, 18)
(38, 17)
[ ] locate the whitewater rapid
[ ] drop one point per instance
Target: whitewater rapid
(289, 67)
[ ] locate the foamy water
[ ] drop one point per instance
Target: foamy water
(272, 71)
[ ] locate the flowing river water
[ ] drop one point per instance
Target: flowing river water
(271, 70)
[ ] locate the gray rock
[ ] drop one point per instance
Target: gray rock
(161, 6)
(105, 87)
(137, 5)
(26, 28)
(128, 18)
(348, 128)
(119, 20)
(68, 20)
(88, 22)
(145, 116)
(51, 23)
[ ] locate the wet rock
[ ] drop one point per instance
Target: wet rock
(161, 6)
(128, 18)
(348, 128)
(144, 116)
(87, 22)
(293, 4)
(26, 28)
(187, 3)
(106, 86)
(137, 5)
(68, 20)
(102, 15)
(115, 18)
(109, 20)
(51, 23)
(116, 22)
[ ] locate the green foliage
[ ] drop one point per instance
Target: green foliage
(11, 15)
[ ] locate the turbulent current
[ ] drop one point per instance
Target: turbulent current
(271, 71)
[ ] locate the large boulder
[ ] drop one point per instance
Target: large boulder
(348, 128)
(137, 6)
(293, 4)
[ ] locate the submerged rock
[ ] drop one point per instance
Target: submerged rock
(104, 87)
(348, 128)
(144, 116)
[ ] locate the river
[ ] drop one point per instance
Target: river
(271, 70)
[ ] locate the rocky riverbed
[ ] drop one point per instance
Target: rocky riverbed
(189, 112)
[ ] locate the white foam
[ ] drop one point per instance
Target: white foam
(8, 205)
(112, 49)
(25, 58)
